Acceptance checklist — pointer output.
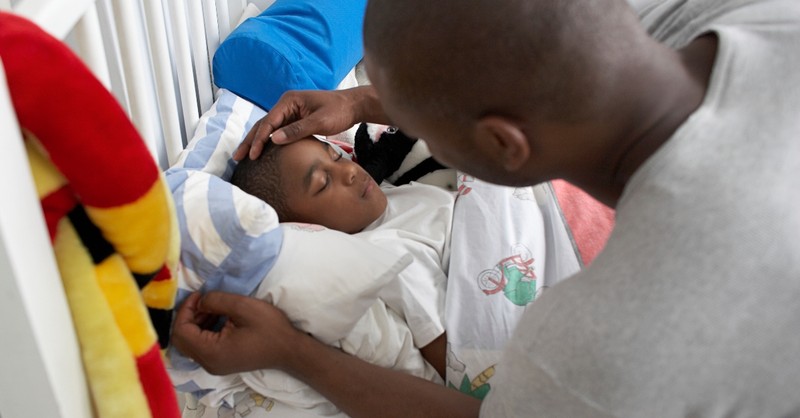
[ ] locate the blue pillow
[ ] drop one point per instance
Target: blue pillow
(292, 45)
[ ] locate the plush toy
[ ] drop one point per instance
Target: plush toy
(388, 154)
(110, 218)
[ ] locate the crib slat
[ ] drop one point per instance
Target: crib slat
(90, 42)
(108, 31)
(135, 65)
(212, 35)
(162, 71)
(212, 27)
(200, 54)
(223, 19)
(183, 64)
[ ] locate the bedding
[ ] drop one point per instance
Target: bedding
(339, 306)
(333, 298)
(248, 263)
(498, 265)
(223, 227)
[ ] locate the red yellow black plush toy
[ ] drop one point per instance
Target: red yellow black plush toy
(110, 218)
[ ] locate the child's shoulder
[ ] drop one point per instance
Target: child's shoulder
(415, 200)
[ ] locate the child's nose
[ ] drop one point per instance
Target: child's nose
(349, 172)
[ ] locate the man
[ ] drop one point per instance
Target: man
(684, 119)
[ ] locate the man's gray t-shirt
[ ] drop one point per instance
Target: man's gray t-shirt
(693, 308)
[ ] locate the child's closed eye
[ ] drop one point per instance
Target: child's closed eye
(325, 184)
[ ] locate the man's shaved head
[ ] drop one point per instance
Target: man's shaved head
(462, 59)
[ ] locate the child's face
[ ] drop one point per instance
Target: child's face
(324, 188)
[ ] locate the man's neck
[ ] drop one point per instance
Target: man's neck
(679, 86)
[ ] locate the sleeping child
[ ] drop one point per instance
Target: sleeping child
(310, 181)
(387, 309)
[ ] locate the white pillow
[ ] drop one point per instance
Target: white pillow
(326, 280)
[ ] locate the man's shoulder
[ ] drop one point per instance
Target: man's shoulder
(677, 22)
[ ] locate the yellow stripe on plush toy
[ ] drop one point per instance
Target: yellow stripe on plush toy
(48, 178)
(160, 294)
(109, 363)
(140, 231)
(127, 305)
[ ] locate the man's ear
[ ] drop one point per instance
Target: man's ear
(504, 140)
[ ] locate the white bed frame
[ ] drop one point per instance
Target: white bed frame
(154, 55)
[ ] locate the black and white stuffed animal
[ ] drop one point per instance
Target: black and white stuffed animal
(398, 159)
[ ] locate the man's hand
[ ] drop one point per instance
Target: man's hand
(256, 335)
(299, 114)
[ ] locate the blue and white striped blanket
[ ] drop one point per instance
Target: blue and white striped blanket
(229, 239)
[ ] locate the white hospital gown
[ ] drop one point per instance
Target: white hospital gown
(418, 221)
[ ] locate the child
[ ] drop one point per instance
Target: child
(310, 181)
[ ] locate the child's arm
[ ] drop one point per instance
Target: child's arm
(435, 353)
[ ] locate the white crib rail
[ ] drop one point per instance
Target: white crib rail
(40, 367)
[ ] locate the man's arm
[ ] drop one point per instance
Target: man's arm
(257, 335)
(361, 389)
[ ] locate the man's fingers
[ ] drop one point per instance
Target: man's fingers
(244, 148)
(187, 311)
(263, 134)
(224, 304)
(256, 147)
(241, 150)
(186, 332)
(257, 137)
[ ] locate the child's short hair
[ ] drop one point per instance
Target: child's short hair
(262, 178)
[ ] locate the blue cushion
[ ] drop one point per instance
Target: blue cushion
(292, 45)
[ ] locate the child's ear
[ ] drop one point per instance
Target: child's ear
(504, 140)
